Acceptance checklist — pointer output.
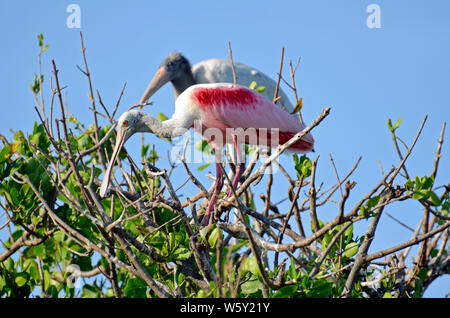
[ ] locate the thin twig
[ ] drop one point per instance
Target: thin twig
(277, 87)
(232, 64)
(312, 197)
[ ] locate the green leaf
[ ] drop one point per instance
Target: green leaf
(213, 237)
(203, 166)
(320, 289)
(181, 253)
(31, 267)
(298, 107)
(2, 283)
(427, 182)
(292, 272)
(144, 150)
(89, 292)
(53, 291)
(418, 182)
(434, 252)
(251, 286)
(36, 86)
(423, 273)
(373, 201)
(47, 279)
(203, 233)
(5, 153)
(253, 85)
(261, 89)
(249, 149)
(421, 195)
(348, 233)
(135, 288)
(351, 249)
(391, 127)
(409, 185)
(21, 279)
(435, 199)
(39, 250)
(397, 123)
(161, 117)
(389, 123)
(203, 146)
(326, 240)
(40, 38)
(250, 265)
(14, 196)
(302, 165)
(306, 282)
(306, 166)
(285, 292)
(153, 156)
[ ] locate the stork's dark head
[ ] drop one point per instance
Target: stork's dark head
(175, 68)
(175, 64)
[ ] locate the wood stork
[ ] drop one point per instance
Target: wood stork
(177, 69)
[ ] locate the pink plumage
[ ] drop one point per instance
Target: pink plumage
(227, 107)
(222, 113)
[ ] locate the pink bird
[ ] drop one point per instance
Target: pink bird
(222, 113)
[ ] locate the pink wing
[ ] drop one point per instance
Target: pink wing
(232, 106)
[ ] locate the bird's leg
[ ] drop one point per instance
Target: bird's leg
(240, 166)
(232, 160)
(217, 187)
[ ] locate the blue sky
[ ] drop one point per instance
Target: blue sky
(366, 75)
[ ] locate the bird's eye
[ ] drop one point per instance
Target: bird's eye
(125, 123)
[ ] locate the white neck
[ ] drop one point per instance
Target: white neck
(171, 128)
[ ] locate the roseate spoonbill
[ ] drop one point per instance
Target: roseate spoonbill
(177, 69)
(224, 114)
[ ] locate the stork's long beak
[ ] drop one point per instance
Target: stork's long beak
(121, 138)
(161, 77)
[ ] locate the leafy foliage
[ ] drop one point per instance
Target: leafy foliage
(142, 241)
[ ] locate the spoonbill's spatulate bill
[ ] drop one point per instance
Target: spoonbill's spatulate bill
(224, 114)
